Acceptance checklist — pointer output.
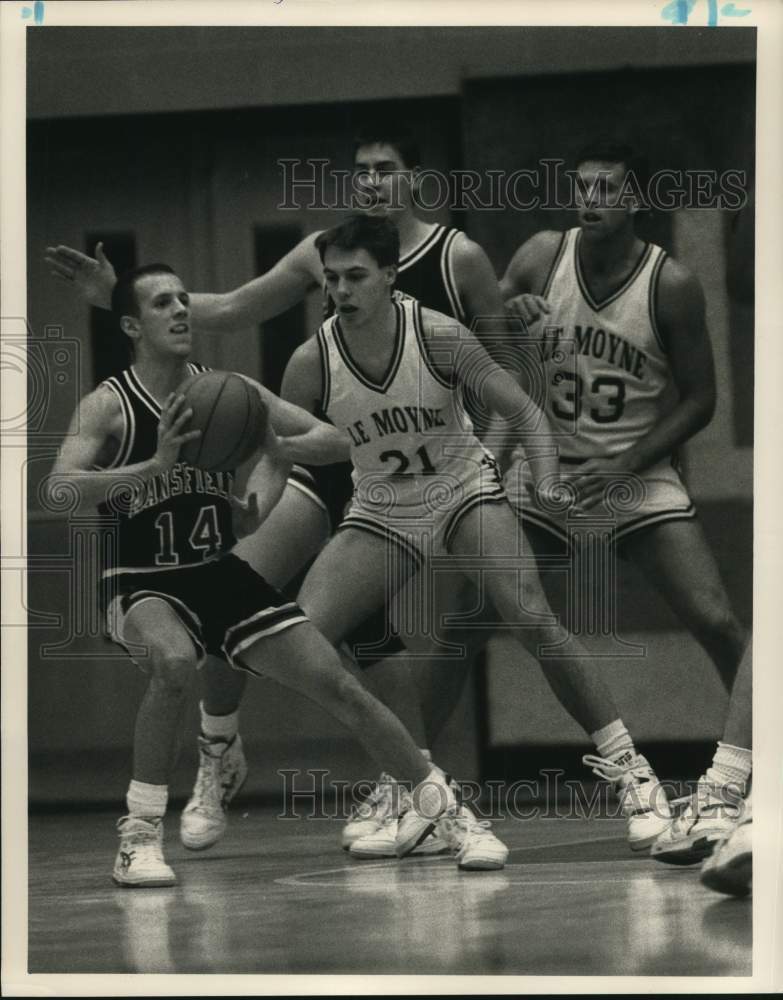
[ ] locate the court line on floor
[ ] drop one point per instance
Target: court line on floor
(392, 863)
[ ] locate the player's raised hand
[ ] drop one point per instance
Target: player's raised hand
(530, 308)
(92, 277)
(171, 433)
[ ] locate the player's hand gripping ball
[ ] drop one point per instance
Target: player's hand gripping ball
(231, 416)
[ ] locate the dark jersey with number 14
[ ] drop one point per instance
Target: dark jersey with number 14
(176, 519)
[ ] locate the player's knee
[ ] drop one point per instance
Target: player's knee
(173, 671)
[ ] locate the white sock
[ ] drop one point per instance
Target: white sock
(730, 766)
(146, 800)
(613, 741)
(219, 727)
(427, 754)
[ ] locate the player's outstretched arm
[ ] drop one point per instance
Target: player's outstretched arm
(472, 366)
(258, 300)
(263, 298)
(300, 436)
(95, 425)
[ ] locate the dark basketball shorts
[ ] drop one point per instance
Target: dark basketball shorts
(224, 605)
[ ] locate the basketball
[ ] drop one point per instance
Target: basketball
(230, 415)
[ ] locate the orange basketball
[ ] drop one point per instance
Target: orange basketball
(230, 415)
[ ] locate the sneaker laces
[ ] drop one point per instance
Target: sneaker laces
(145, 842)
(705, 802)
(208, 784)
(379, 804)
(458, 824)
(634, 781)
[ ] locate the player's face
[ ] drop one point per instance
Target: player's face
(164, 315)
(601, 213)
(359, 287)
(382, 180)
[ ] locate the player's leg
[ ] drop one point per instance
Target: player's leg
(289, 538)
(489, 532)
(372, 571)
(677, 560)
(279, 642)
(441, 653)
(354, 575)
(711, 814)
(171, 659)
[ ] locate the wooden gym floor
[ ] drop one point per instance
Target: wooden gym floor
(278, 896)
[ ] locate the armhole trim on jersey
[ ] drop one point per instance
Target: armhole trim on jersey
(326, 382)
(128, 425)
(447, 273)
(652, 300)
(561, 248)
(418, 252)
(418, 326)
(136, 386)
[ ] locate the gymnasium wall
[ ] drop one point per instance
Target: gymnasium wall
(198, 188)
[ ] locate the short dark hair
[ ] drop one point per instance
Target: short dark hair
(378, 236)
(403, 141)
(124, 301)
(607, 150)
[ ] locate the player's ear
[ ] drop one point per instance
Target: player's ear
(130, 326)
(390, 275)
(415, 173)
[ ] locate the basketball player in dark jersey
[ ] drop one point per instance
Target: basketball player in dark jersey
(446, 271)
(176, 592)
(450, 273)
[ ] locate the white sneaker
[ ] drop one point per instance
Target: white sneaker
(382, 843)
(642, 798)
(140, 860)
(222, 770)
(369, 816)
(706, 817)
(476, 846)
(428, 801)
(729, 869)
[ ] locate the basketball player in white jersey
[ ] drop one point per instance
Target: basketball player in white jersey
(619, 324)
(176, 592)
(448, 272)
(391, 374)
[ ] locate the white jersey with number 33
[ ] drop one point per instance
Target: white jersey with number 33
(411, 437)
(605, 361)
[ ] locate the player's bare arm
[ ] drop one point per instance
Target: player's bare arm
(254, 302)
(682, 323)
(316, 442)
(477, 285)
(95, 432)
(295, 434)
(522, 284)
(498, 390)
